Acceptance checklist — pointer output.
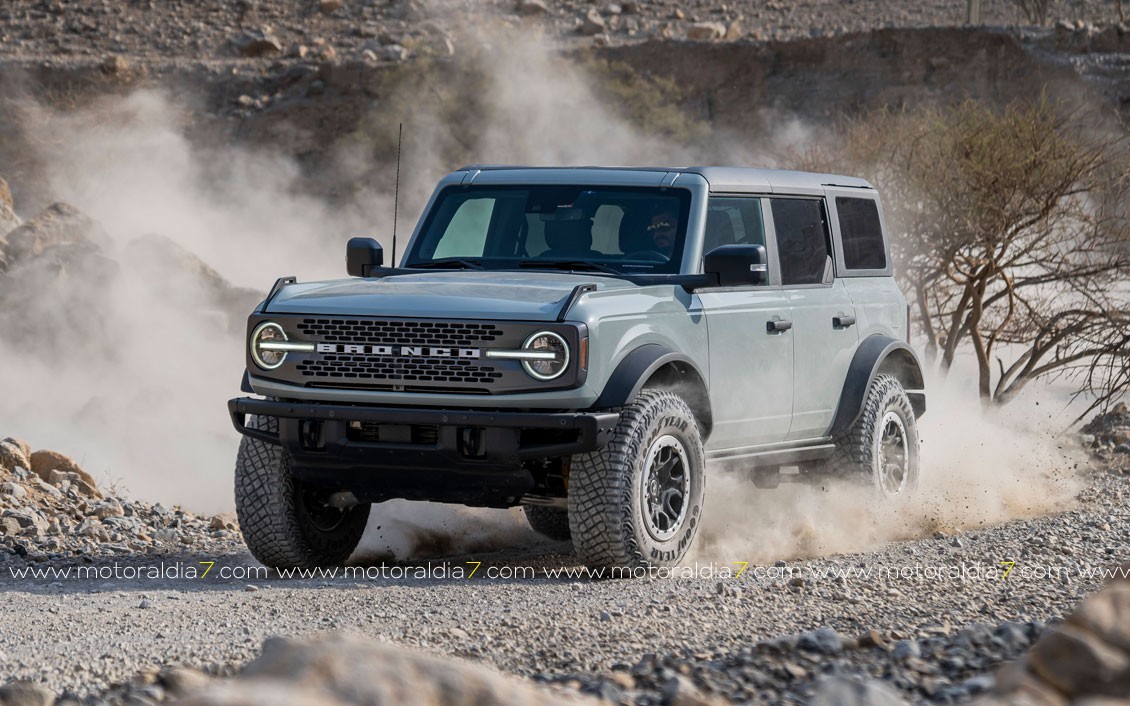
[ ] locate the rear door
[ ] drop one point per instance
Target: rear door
(863, 262)
(820, 309)
(751, 368)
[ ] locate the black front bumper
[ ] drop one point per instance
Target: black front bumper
(445, 455)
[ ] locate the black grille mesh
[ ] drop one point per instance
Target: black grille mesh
(413, 333)
(433, 370)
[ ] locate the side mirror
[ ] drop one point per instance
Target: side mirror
(361, 255)
(737, 265)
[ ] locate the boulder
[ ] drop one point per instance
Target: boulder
(177, 274)
(26, 693)
(336, 670)
(9, 221)
(22, 445)
(44, 462)
(13, 456)
(58, 224)
(592, 23)
(530, 8)
(704, 31)
(1085, 659)
(840, 691)
(258, 43)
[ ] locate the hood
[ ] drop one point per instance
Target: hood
(461, 294)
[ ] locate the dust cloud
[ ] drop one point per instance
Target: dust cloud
(977, 468)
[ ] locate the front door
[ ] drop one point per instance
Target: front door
(751, 364)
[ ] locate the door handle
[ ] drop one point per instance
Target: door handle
(843, 321)
(778, 326)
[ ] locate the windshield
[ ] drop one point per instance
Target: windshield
(600, 229)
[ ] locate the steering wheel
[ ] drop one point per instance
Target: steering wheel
(653, 255)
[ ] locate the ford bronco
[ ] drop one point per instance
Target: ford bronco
(582, 342)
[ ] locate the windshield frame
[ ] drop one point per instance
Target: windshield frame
(674, 266)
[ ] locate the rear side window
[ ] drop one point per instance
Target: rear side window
(802, 241)
(862, 234)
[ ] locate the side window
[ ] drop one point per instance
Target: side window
(802, 241)
(862, 234)
(733, 220)
(466, 233)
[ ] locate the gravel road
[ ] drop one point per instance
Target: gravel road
(749, 637)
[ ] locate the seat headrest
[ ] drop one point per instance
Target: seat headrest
(575, 235)
(633, 235)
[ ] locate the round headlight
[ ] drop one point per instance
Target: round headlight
(267, 332)
(547, 368)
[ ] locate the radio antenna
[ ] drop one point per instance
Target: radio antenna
(396, 193)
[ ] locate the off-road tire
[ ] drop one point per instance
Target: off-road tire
(273, 516)
(553, 522)
(858, 456)
(607, 502)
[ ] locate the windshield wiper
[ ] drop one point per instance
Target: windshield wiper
(569, 265)
(448, 263)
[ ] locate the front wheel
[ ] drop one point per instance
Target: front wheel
(637, 503)
(881, 448)
(287, 523)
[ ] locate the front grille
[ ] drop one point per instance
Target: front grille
(400, 371)
(415, 333)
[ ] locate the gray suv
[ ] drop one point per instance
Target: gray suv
(582, 342)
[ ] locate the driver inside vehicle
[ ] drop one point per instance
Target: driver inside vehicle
(663, 230)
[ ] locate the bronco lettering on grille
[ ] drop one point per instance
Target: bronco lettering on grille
(399, 351)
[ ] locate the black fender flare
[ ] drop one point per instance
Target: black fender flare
(878, 353)
(637, 368)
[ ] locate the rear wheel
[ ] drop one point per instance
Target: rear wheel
(637, 502)
(881, 448)
(287, 523)
(553, 522)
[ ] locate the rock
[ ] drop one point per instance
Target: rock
(906, 649)
(45, 461)
(680, 691)
(258, 43)
(6, 194)
(630, 7)
(592, 23)
(58, 224)
(179, 681)
(13, 457)
(706, 31)
(222, 521)
(27, 518)
(335, 669)
(9, 526)
(393, 52)
(1074, 661)
(14, 489)
(734, 31)
(1107, 615)
(26, 693)
(824, 640)
(108, 509)
(22, 445)
(115, 65)
(59, 478)
(529, 8)
(328, 7)
(840, 691)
